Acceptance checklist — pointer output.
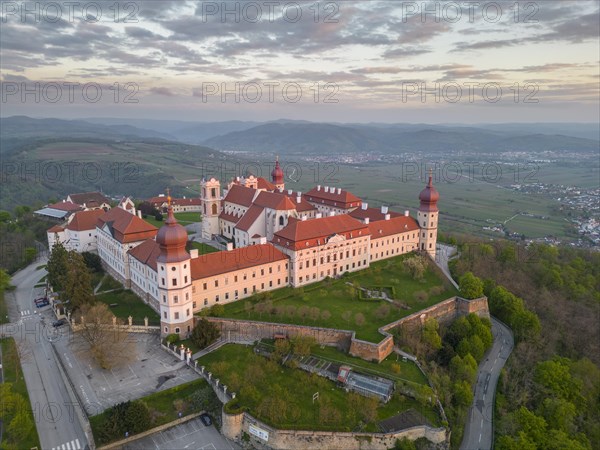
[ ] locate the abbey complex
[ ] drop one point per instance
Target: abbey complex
(275, 238)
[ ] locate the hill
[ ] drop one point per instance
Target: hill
(318, 138)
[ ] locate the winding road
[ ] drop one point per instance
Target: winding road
(479, 430)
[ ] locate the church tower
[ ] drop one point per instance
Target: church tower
(277, 176)
(427, 217)
(211, 207)
(174, 278)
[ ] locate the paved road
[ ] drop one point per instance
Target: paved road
(54, 408)
(478, 430)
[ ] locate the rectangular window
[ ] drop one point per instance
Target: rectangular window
(174, 281)
(188, 312)
(165, 314)
(204, 286)
(185, 279)
(226, 295)
(175, 299)
(176, 315)
(194, 305)
(216, 283)
(235, 278)
(245, 290)
(205, 301)
(216, 298)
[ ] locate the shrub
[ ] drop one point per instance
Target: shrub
(172, 338)
(421, 296)
(396, 368)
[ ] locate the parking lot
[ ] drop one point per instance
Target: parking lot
(189, 435)
(148, 369)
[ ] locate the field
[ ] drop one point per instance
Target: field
(282, 396)
(11, 368)
(336, 297)
(129, 304)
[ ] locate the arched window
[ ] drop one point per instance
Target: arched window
(281, 220)
(214, 208)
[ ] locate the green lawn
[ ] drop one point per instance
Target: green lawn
(13, 380)
(185, 218)
(282, 396)
(108, 283)
(203, 248)
(129, 304)
(336, 297)
(161, 407)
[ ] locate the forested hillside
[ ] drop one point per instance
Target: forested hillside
(549, 391)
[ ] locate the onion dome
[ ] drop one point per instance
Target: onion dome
(277, 173)
(172, 239)
(429, 197)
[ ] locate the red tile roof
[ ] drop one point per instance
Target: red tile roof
(395, 225)
(125, 227)
(240, 195)
(264, 184)
(65, 206)
(344, 199)
(146, 253)
(229, 217)
(299, 234)
(274, 200)
(217, 263)
(187, 201)
(250, 217)
(85, 220)
(55, 229)
(89, 199)
(373, 214)
(303, 206)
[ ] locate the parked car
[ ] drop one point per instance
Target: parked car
(40, 302)
(205, 418)
(59, 323)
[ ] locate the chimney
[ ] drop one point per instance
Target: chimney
(319, 215)
(303, 218)
(139, 214)
(365, 206)
(194, 253)
(326, 188)
(237, 179)
(384, 210)
(290, 191)
(319, 187)
(331, 213)
(298, 199)
(262, 240)
(387, 217)
(406, 213)
(367, 220)
(299, 193)
(229, 246)
(339, 191)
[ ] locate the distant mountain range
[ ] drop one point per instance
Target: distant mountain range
(302, 137)
(317, 138)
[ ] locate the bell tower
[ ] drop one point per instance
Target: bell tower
(427, 217)
(210, 192)
(277, 176)
(173, 268)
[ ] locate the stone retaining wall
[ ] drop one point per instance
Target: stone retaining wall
(235, 425)
(239, 330)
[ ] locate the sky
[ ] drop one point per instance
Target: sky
(335, 61)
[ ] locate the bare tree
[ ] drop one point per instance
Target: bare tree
(108, 340)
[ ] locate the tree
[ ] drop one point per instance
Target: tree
(382, 311)
(57, 266)
(315, 313)
(416, 266)
(470, 286)
(205, 333)
(77, 282)
(30, 254)
(92, 261)
(404, 444)
(325, 315)
(282, 348)
(430, 335)
(158, 216)
(4, 216)
(301, 345)
(110, 346)
(4, 280)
